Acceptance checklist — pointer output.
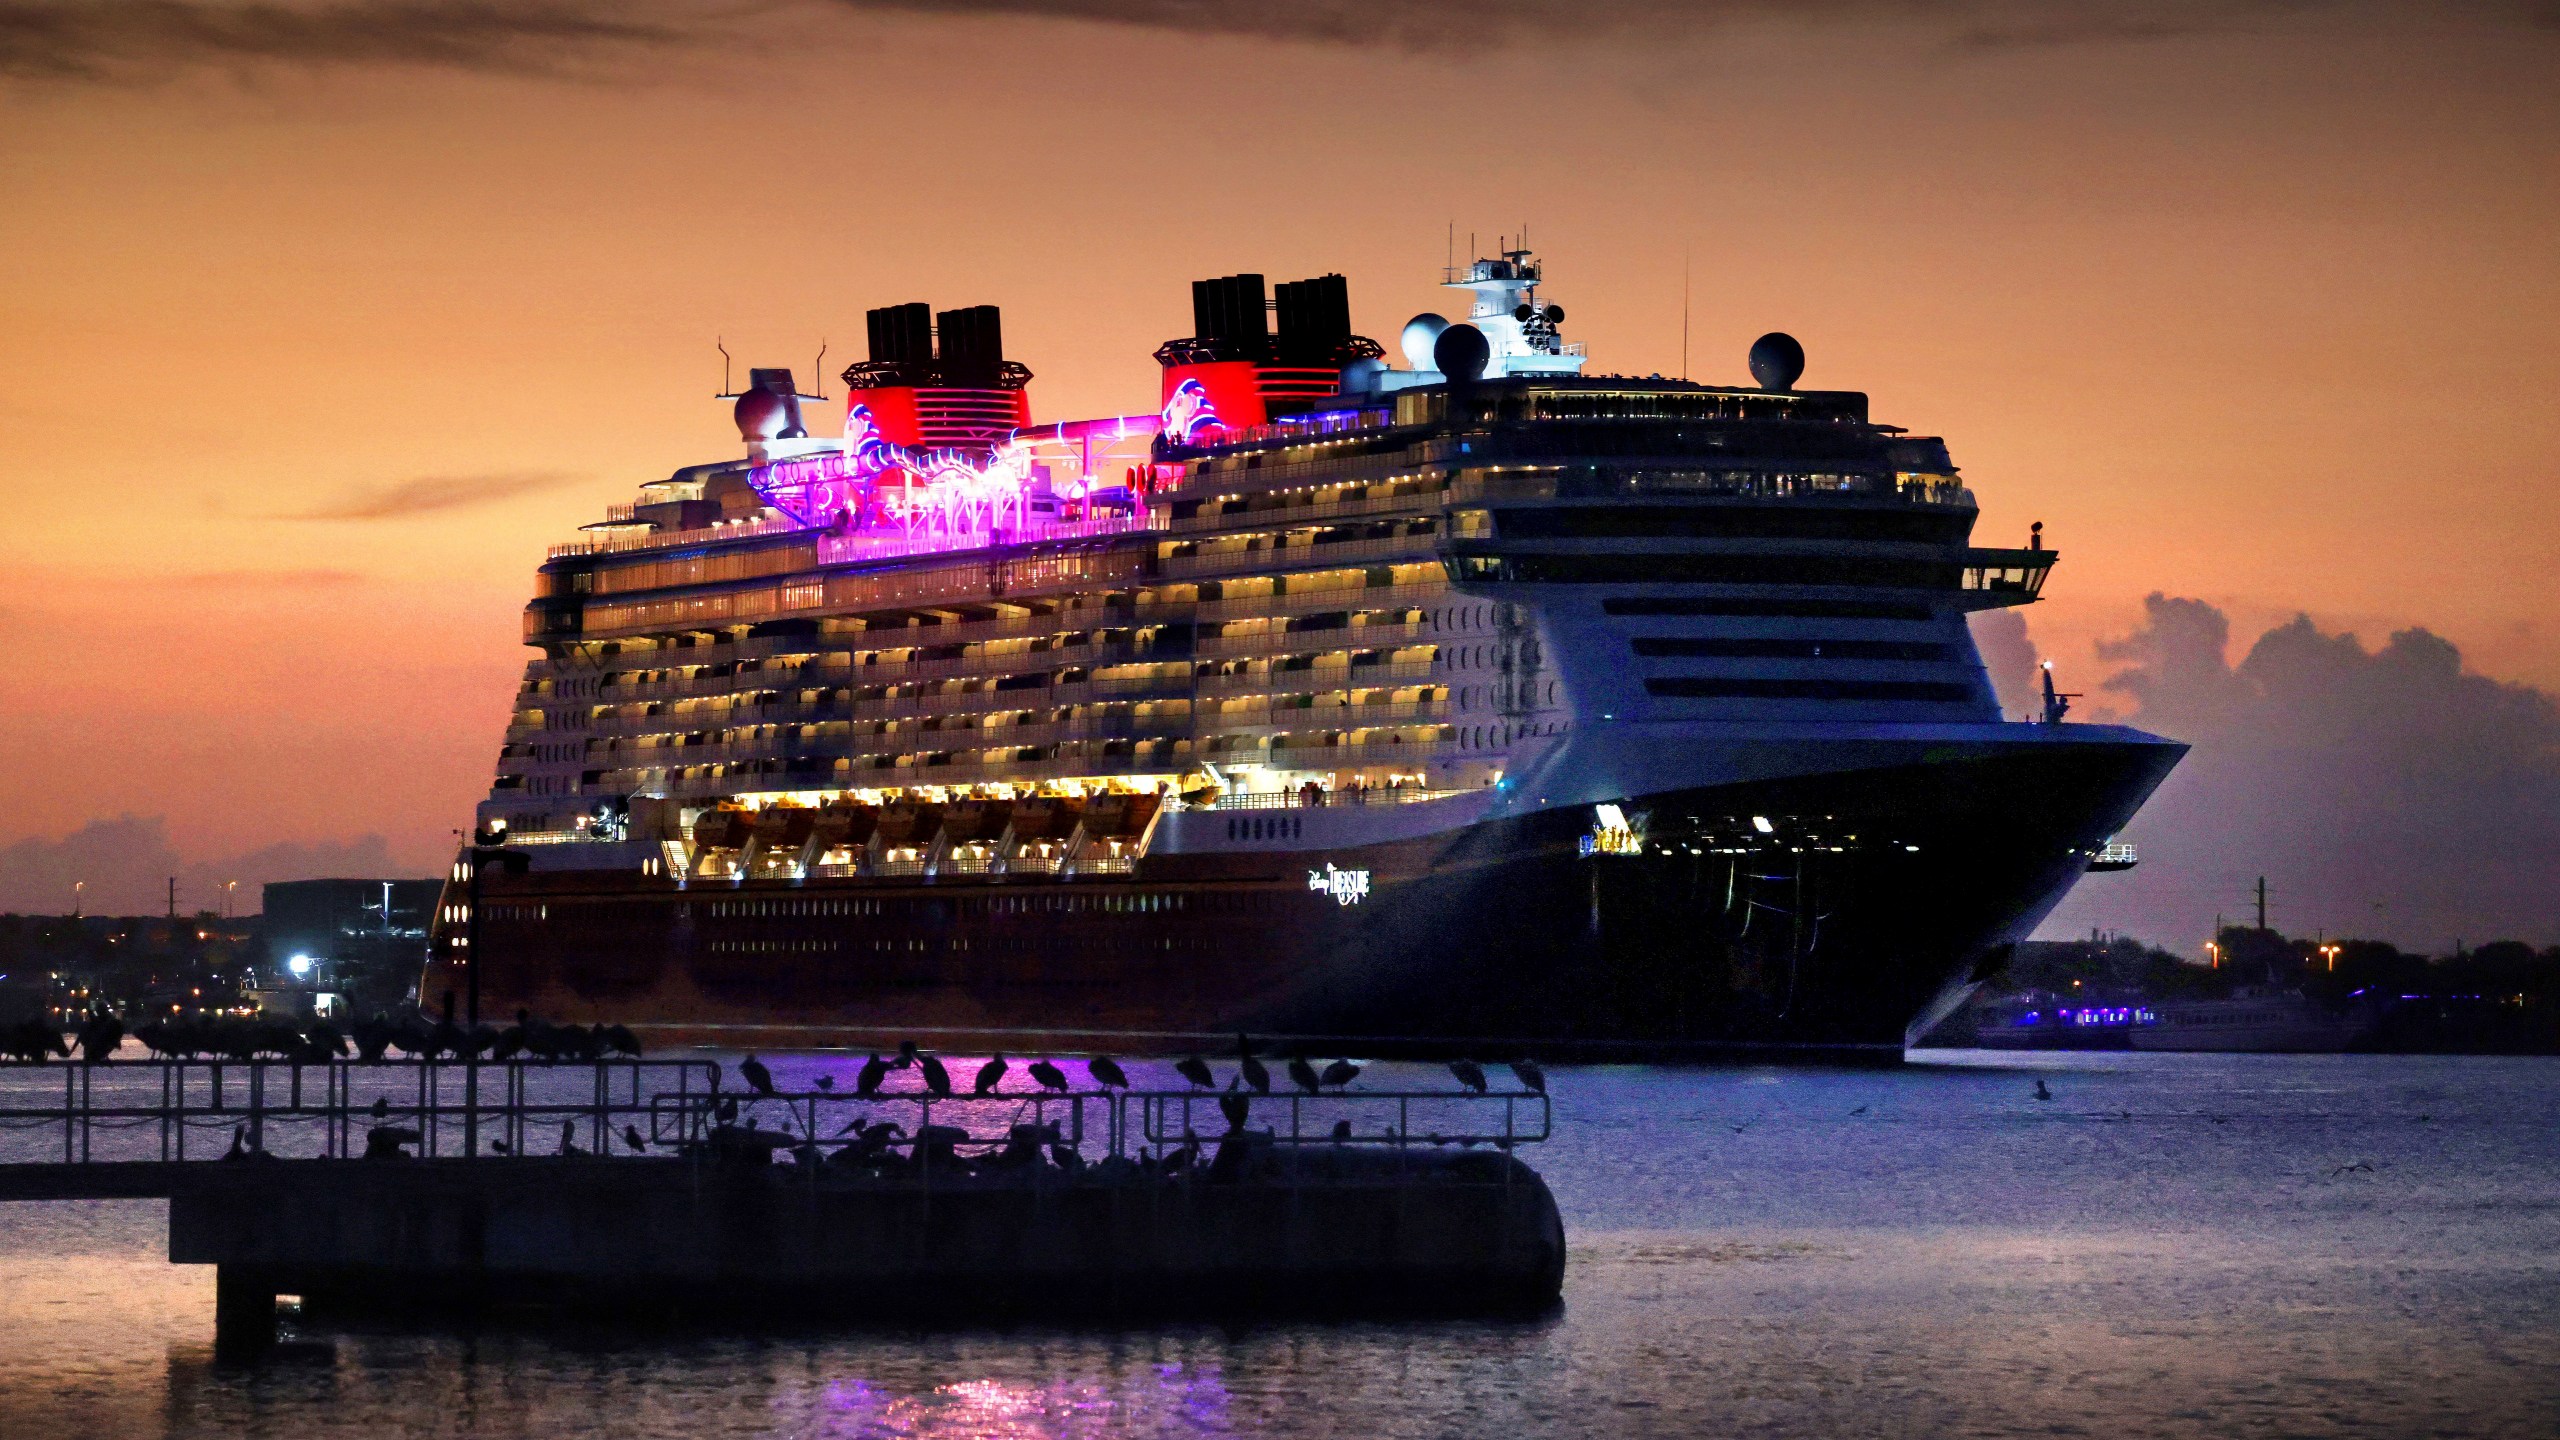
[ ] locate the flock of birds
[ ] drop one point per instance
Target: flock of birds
(100, 1034)
(1251, 1074)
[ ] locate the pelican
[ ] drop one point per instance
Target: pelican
(1106, 1072)
(874, 1070)
(1196, 1070)
(758, 1078)
(937, 1080)
(1255, 1074)
(631, 1137)
(1340, 1073)
(1530, 1075)
(991, 1075)
(1469, 1074)
(1303, 1075)
(1049, 1076)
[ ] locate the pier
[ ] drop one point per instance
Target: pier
(659, 1189)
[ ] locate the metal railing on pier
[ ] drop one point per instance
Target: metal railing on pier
(176, 1110)
(207, 1110)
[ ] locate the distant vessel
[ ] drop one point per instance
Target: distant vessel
(1473, 703)
(2048, 1022)
(2255, 1017)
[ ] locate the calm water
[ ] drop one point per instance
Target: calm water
(2173, 1245)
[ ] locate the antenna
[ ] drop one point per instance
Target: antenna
(1684, 312)
(819, 367)
(725, 392)
(1449, 260)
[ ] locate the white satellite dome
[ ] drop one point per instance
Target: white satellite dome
(1420, 334)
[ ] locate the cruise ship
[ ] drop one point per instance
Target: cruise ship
(1479, 703)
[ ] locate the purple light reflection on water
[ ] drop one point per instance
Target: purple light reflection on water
(1183, 1400)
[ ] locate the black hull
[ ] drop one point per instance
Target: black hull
(1868, 908)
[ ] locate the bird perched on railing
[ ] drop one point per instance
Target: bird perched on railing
(620, 1040)
(1106, 1072)
(991, 1075)
(1255, 1073)
(1236, 1106)
(99, 1036)
(825, 1082)
(34, 1042)
(1196, 1070)
(1340, 1073)
(937, 1080)
(867, 1082)
(1530, 1076)
(906, 1053)
(1469, 1074)
(758, 1078)
(569, 1138)
(1303, 1075)
(381, 1106)
(631, 1137)
(1049, 1076)
(372, 1037)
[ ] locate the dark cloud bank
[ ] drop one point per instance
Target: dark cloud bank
(127, 862)
(90, 42)
(2386, 793)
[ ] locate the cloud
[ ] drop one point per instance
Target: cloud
(429, 494)
(1469, 25)
(2387, 792)
(129, 41)
(127, 863)
(125, 42)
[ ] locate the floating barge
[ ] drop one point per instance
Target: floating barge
(804, 1206)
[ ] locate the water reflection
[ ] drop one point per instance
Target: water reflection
(1792, 1253)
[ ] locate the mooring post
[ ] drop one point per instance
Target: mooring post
(244, 1314)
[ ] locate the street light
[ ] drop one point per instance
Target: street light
(2330, 952)
(76, 887)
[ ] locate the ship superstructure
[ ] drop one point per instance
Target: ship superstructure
(1480, 699)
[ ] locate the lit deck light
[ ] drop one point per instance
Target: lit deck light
(1761, 824)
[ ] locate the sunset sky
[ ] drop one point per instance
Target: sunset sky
(318, 322)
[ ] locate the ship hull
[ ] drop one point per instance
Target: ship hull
(1813, 916)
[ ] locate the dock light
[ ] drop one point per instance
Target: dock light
(300, 965)
(1761, 824)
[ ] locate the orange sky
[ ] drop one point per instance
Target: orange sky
(2264, 315)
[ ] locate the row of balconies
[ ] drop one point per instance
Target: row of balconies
(1300, 553)
(948, 768)
(811, 739)
(853, 706)
(1347, 670)
(837, 668)
(1265, 510)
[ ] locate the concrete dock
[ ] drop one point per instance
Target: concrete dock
(1349, 1234)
